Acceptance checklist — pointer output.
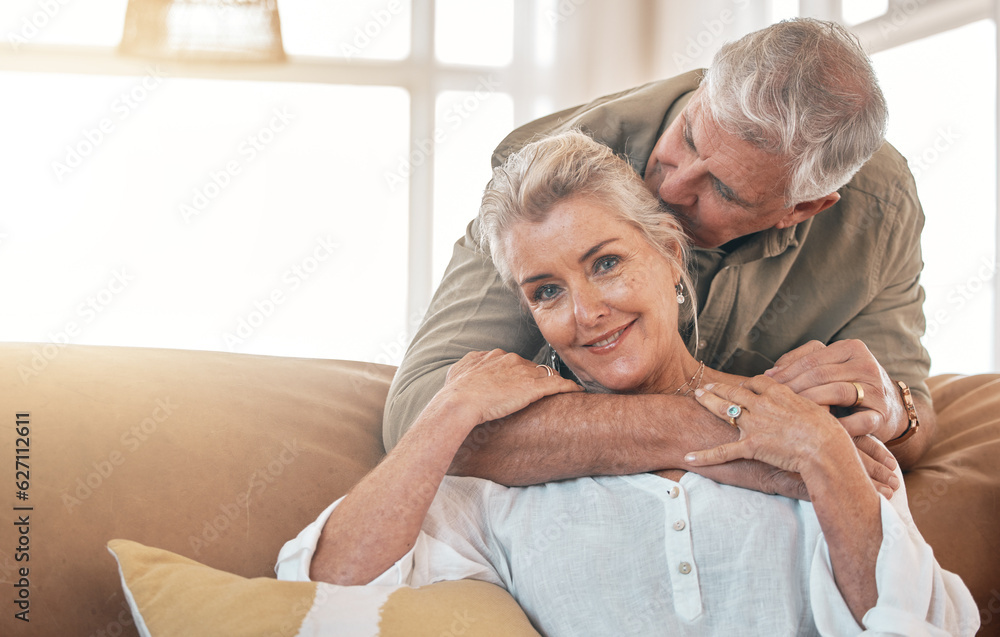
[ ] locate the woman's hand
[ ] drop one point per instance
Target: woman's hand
(784, 429)
(776, 425)
(487, 386)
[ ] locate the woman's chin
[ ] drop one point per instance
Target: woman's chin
(610, 385)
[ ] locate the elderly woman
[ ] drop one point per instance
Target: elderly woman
(600, 266)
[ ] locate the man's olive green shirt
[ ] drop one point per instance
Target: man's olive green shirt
(852, 271)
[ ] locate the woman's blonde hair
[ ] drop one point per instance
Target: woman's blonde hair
(566, 166)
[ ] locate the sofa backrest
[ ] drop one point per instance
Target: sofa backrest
(219, 457)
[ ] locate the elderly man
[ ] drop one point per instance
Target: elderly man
(806, 262)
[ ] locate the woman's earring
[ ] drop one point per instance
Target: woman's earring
(680, 294)
(554, 361)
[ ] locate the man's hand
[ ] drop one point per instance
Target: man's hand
(826, 373)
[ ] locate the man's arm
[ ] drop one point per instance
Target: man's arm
(570, 435)
(588, 434)
(471, 311)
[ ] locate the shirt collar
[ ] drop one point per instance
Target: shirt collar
(768, 243)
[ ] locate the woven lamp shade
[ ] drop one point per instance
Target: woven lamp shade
(209, 30)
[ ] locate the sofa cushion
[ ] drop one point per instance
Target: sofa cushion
(220, 457)
(172, 595)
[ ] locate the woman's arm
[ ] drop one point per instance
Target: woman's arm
(791, 432)
(380, 518)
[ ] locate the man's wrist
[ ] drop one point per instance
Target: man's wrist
(912, 422)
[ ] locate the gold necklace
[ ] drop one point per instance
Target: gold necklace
(699, 374)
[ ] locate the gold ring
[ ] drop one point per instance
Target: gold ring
(547, 369)
(861, 394)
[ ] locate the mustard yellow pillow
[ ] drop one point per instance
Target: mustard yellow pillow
(173, 595)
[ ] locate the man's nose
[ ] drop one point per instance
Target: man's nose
(678, 187)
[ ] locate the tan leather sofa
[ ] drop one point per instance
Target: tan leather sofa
(223, 457)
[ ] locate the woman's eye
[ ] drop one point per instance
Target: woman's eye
(605, 263)
(546, 292)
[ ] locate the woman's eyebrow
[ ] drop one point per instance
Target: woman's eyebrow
(586, 255)
(596, 248)
(537, 277)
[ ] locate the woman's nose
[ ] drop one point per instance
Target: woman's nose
(589, 306)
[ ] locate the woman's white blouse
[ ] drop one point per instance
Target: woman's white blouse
(643, 555)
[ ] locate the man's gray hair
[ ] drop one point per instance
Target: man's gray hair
(805, 90)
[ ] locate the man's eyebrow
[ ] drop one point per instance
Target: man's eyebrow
(686, 132)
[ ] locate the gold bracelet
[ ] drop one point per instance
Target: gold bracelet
(911, 413)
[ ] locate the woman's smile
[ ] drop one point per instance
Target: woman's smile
(609, 342)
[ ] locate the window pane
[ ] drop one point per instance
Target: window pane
(470, 124)
(90, 23)
(361, 29)
(949, 139)
(234, 216)
(474, 33)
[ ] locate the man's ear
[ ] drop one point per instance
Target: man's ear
(802, 211)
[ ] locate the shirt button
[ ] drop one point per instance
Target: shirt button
(702, 344)
(684, 568)
(679, 525)
(676, 491)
